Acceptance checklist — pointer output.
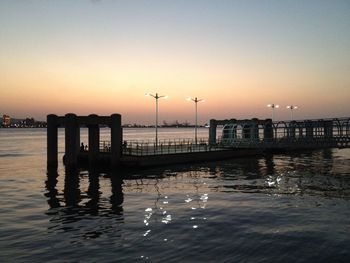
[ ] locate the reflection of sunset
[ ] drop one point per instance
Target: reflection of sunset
(104, 59)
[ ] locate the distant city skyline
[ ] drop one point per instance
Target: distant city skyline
(103, 56)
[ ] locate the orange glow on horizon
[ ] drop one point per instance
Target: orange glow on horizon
(237, 73)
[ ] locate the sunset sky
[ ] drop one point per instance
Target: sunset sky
(86, 56)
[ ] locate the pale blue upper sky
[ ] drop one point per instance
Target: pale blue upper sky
(304, 44)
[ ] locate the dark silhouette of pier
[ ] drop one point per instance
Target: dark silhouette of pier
(239, 138)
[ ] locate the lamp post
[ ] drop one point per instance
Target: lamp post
(195, 100)
(292, 107)
(273, 106)
(156, 97)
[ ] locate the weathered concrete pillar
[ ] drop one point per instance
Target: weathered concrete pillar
(72, 139)
(268, 130)
(212, 132)
(52, 141)
(94, 139)
(116, 139)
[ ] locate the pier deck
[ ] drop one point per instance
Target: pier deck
(147, 159)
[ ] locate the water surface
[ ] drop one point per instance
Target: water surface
(290, 208)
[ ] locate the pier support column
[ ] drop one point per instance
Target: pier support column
(116, 139)
(72, 140)
(212, 132)
(94, 139)
(268, 130)
(52, 142)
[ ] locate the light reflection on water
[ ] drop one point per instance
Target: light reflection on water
(260, 202)
(290, 208)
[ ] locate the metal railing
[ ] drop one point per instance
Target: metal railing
(315, 141)
(105, 146)
(169, 146)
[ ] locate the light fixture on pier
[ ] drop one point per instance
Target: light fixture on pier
(156, 97)
(292, 107)
(273, 106)
(195, 100)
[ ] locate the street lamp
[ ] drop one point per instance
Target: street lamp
(195, 100)
(273, 106)
(156, 97)
(292, 107)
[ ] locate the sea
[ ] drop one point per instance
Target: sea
(292, 207)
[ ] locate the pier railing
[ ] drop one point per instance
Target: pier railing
(253, 134)
(285, 142)
(167, 146)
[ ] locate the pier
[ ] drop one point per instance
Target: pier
(238, 138)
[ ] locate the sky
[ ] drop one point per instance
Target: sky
(102, 56)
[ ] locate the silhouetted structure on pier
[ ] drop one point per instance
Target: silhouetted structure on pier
(72, 124)
(266, 134)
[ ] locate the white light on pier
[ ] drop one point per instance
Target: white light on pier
(292, 107)
(273, 106)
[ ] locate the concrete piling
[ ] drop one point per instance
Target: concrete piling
(72, 139)
(116, 139)
(72, 124)
(52, 144)
(94, 139)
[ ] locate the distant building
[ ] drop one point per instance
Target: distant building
(6, 121)
(29, 122)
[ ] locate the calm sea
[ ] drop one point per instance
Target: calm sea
(280, 208)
